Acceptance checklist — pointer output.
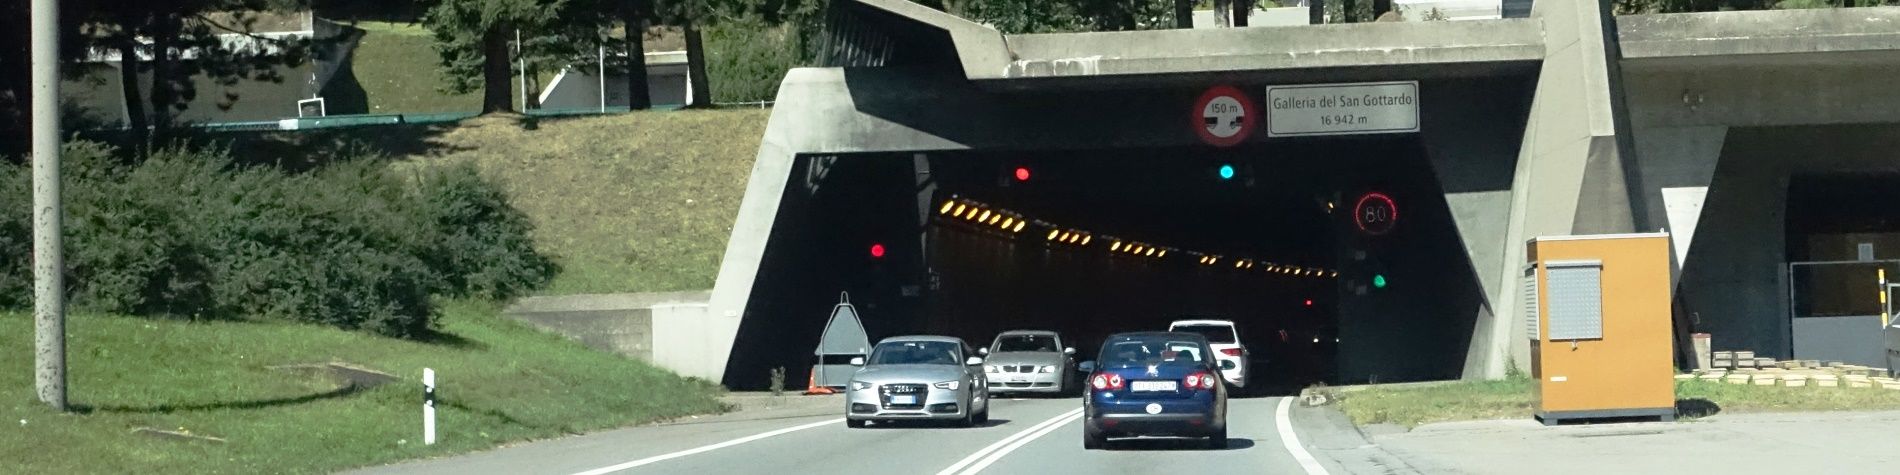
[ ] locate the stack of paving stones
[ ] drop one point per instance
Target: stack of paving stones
(1743, 368)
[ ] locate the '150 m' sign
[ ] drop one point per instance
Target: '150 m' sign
(1341, 109)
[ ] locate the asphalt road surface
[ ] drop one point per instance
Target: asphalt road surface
(1026, 436)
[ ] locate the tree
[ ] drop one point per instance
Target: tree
(1053, 16)
(472, 39)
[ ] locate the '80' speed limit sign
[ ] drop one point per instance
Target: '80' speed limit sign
(1224, 116)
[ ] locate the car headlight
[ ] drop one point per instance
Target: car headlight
(950, 385)
(1046, 369)
(992, 369)
(860, 385)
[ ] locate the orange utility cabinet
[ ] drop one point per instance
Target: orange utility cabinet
(1598, 311)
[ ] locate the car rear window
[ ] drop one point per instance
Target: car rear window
(1214, 333)
(1129, 352)
(1040, 343)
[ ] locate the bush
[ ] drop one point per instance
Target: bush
(746, 59)
(187, 233)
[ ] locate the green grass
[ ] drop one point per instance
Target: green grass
(639, 202)
(1511, 398)
(396, 64)
(499, 382)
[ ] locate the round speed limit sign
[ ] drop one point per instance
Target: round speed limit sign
(1224, 116)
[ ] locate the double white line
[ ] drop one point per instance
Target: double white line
(976, 462)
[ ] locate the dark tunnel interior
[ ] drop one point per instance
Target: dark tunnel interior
(1270, 242)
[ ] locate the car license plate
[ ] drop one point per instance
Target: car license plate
(1018, 379)
(1153, 386)
(903, 399)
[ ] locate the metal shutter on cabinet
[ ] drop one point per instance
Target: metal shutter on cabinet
(1530, 300)
(1576, 300)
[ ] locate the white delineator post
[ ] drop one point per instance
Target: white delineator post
(428, 406)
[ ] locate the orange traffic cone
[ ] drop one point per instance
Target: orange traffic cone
(813, 389)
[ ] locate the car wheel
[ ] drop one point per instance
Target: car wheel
(1092, 440)
(969, 414)
(854, 423)
(1218, 441)
(983, 417)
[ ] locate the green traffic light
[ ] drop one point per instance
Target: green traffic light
(1378, 281)
(1226, 172)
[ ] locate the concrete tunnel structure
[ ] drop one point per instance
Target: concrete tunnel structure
(1761, 140)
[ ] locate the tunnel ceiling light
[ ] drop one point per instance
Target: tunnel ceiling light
(995, 218)
(959, 212)
(984, 217)
(1164, 253)
(1237, 264)
(1151, 252)
(1115, 246)
(947, 205)
(1007, 222)
(1019, 226)
(1052, 234)
(1086, 238)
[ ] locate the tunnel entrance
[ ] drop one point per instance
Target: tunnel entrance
(1336, 257)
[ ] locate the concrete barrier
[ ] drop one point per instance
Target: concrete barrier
(663, 328)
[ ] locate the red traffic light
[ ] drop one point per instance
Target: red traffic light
(1022, 173)
(1309, 302)
(877, 250)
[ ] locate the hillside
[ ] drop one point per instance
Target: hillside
(639, 202)
(500, 381)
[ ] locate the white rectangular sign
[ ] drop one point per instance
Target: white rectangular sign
(1341, 109)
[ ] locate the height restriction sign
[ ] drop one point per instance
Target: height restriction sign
(1224, 116)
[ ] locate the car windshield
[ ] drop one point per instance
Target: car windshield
(915, 352)
(1157, 350)
(1040, 343)
(1213, 333)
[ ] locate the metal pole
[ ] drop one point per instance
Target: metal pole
(49, 298)
(602, 51)
(521, 62)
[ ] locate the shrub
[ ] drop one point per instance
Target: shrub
(187, 233)
(746, 59)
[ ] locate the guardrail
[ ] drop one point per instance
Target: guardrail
(358, 120)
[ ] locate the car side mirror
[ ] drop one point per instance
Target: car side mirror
(974, 361)
(983, 351)
(1068, 351)
(1086, 367)
(858, 361)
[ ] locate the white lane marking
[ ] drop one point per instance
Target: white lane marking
(1283, 419)
(708, 448)
(953, 468)
(998, 455)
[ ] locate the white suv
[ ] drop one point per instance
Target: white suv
(1226, 345)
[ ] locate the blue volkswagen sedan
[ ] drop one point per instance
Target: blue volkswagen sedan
(1160, 384)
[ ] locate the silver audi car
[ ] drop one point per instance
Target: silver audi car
(918, 377)
(1029, 361)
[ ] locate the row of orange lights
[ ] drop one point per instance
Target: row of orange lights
(1009, 221)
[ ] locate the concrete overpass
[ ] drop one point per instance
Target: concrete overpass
(1568, 122)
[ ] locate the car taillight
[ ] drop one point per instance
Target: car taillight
(1199, 380)
(1106, 382)
(1230, 352)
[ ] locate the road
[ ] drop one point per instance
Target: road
(1026, 436)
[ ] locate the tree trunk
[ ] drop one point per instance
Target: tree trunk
(164, 94)
(1222, 10)
(1242, 10)
(638, 98)
(495, 70)
(138, 130)
(1184, 14)
(696, 80)
(531, 89)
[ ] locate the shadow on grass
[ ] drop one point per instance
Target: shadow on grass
(450, 340)
(1696, 407)
(342, 392)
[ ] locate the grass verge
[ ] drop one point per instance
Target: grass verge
(639, 202)
(1511, 398)
(499, 382)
